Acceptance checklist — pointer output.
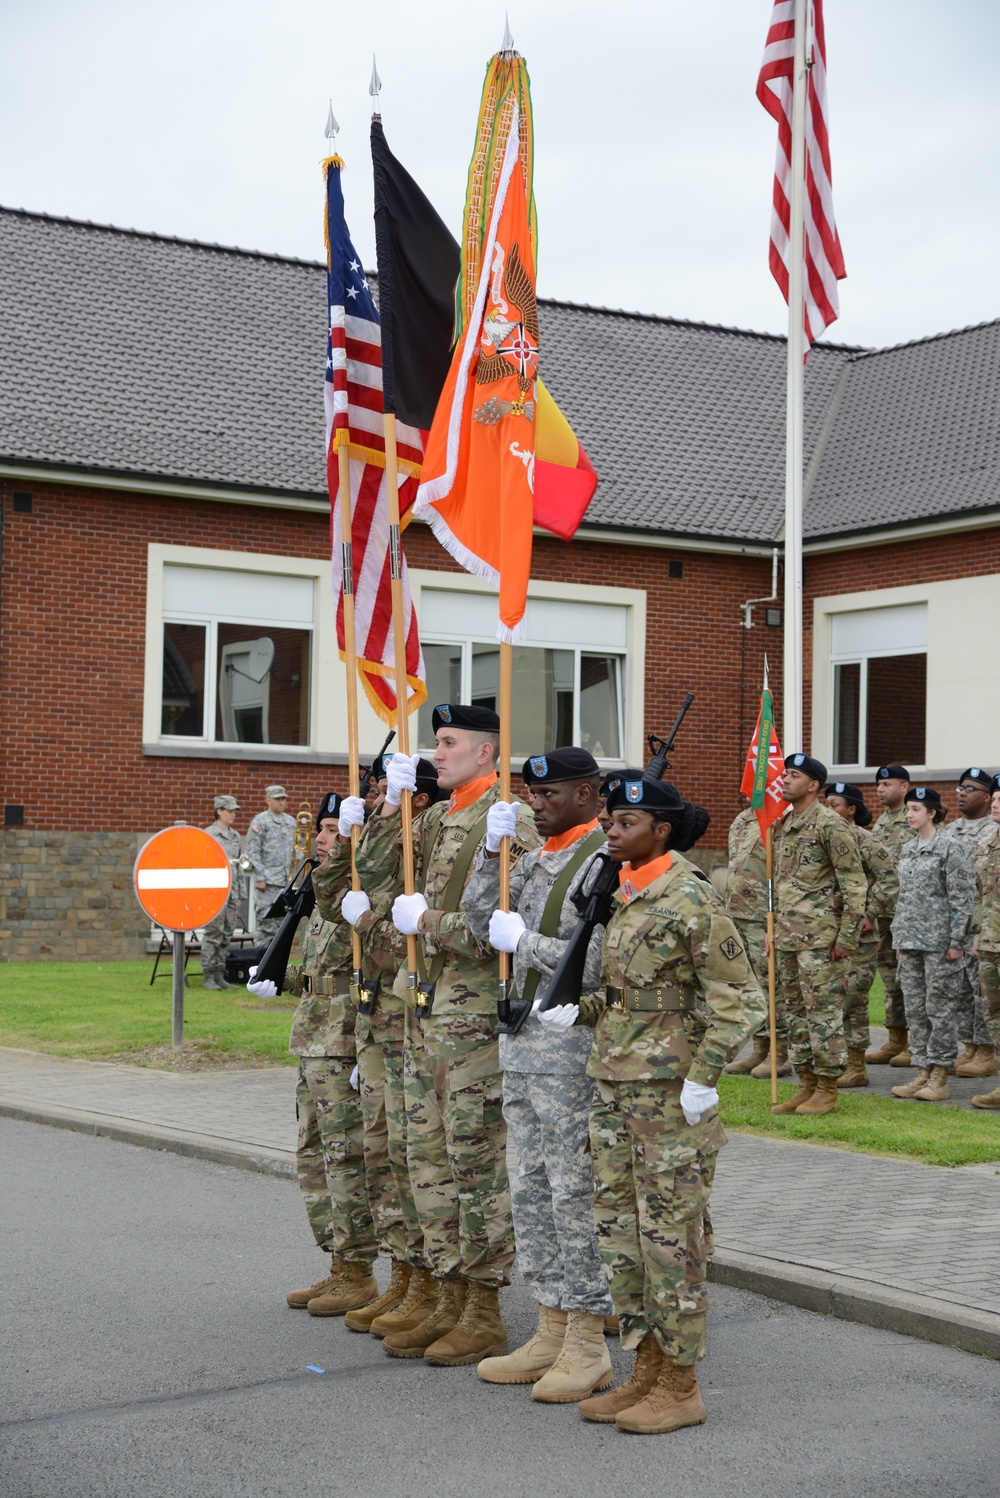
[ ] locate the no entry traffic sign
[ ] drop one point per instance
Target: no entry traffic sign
(182, 878)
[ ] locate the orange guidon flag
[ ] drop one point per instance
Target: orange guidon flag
(479, 462)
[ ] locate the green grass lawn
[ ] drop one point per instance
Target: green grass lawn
(108, 1010)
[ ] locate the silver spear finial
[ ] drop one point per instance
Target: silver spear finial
(507, 45)
(332, 129)
(374, 89)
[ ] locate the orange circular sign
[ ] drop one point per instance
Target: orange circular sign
(182, 878)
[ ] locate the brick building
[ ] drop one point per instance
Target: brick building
(166, 614)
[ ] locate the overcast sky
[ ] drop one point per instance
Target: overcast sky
(654, 160)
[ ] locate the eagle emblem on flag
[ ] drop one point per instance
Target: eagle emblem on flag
(509, 340)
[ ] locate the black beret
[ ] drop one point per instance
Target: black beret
(892, 772)
(458, 715)
(851, 793)
(644, 795)
(814, 768)
(559, 764)
(981, 777)
(996, 784)
(925, 794)
(328, 807)
(427, 781)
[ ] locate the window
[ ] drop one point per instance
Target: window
(878, 661)
(237, 653)
(569, 671)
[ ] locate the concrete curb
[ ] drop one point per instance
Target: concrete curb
(922, 1316)
(942, 1321)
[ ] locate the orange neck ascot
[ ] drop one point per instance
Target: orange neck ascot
(466, 794)
(569, 837)
(631, 881)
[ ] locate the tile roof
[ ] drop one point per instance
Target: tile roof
(134, 353)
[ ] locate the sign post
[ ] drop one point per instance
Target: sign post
(182, 880)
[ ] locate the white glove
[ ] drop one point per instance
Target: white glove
(401, 775)
(696, 1100)
(352, 814)
(406, 913)
(501, 822)
(354, 1078)
(556, 1020)
(506, 930)
(353, 905)
(265, 989)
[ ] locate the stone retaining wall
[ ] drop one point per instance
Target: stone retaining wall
(68, 897)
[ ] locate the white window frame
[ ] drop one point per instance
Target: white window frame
(860, 658)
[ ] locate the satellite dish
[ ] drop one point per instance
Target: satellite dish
(259, 659)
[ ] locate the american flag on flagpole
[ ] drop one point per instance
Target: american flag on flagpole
(824, 257)
(353, 398)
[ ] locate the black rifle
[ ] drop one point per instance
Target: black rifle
(369, 775)
(593, 900)
(297, 900)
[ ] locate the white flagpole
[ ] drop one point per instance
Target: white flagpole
(792, 685)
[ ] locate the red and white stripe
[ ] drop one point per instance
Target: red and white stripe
(823, 256)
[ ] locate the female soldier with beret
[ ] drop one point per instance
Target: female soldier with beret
(655, 1130)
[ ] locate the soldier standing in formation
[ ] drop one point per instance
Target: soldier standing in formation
(329, 1152)
(219, 933)
(883, 886)
(547, 1094)
(987, 923)
(270, 841)
(746, 903)
(978, 1059)
(891, 831)
(820, 893)
(932, 917)
(655, 1131)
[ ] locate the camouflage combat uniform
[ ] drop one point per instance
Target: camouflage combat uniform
(746, 901)
(329, 1157)
(932, 914)
(883, 887)
(547, 1095)
(218, 933)
(968, 834)
(891, 831)
(456, 1138)
(987, 923)
(270, 840)
(819, 897)
(671, 943)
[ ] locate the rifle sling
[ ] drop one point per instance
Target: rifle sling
(431, 972)
(551, 915)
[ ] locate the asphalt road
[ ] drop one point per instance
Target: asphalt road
(148, 1353)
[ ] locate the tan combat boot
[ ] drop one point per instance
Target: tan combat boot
(783, 1066)
(807, 1086)
(825, 1099)
(361, 1319)
(357, 1286)
(606, 1408)
(902, 1058)
(965, 1056)
(673, 1401)
(612, 1326)
(855, 1075)
(583, 1365)
(982, 1063)
(757, 1055)
(479, 1332)
(908, 1089)
(525, 1364)
(299, 1299)
(935, 1089)
(987, 1099)
(418, 1302)
(449, 1298)
(893, 1046)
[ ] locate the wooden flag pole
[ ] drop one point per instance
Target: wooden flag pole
(506, 686)
(399, 656)
(351, 661)
(771, 1014)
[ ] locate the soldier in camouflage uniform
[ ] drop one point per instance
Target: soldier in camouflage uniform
(932, 917)
(219, 933)
(891, 831)
(987, 923)
(746, 904)
(978, 1059)
(329, 1152)
(270, 841)
(456, 1137)
(547, 1094)
(883, 886)
(655, 1131)
(819, 897)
